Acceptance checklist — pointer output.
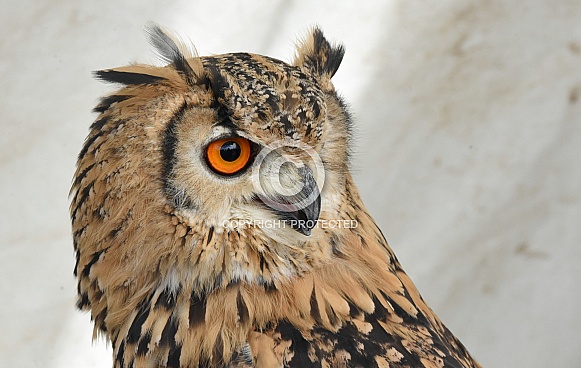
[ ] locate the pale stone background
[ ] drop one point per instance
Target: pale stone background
(467, 152)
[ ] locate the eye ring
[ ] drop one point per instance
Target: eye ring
(228, 156)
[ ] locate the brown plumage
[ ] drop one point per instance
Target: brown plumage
(176, 260)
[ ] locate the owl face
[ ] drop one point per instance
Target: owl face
(253, 151)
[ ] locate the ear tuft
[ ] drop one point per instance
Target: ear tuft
(318, 55)
(173, 51)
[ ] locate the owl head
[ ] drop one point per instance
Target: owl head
(209, 171)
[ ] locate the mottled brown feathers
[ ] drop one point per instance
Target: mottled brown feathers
(177, 264)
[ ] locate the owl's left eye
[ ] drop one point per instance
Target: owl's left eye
(228, 156)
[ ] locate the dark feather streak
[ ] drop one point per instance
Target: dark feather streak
(135, 330)
(89, 142)
(120, 358)
(94, 259)
(127, 78)
(167, 299)
(242, 308)
(84, 194)
(315, 312)
(142, 347)
(106, 102)
(197, 309)
(170, 141)
(173, 359)
(168, 334)
(83, 301)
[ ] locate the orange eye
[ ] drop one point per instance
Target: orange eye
(229, 155)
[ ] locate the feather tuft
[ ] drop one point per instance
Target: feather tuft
(172, 50)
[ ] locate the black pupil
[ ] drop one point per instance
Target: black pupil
(230, 151)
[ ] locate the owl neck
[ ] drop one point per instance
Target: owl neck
(183, 316)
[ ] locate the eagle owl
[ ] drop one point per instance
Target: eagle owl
(216, 224)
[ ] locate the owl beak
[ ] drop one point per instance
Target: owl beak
(301, 210)
(305, 219)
